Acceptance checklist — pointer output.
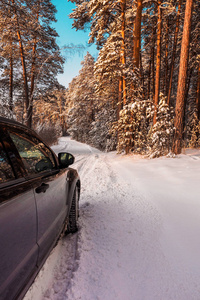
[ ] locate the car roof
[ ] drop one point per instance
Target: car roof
(13, 122)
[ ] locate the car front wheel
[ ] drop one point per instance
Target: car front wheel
(72, 226)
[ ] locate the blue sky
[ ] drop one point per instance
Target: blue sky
(70, 36)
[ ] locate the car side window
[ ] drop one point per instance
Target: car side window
(35, 155)
(6, 172)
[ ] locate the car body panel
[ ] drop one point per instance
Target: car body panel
(52, 209)
(19, 249)
(34, 209)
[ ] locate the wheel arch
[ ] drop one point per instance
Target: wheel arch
(78, 185)
(74, 182)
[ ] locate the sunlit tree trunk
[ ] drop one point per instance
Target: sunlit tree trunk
(120, 105)
(137, 65)
(182, 79)
(174, 52)
(149, 80)
(11, 79)
(165, 81)
(198, 94)
(137, 35)
(30, 108)
(158, 62)
(153, 69)
(142, 75)
(123, 55)
(26, 94)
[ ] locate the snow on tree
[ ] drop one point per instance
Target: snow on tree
(80, 98)
(193, 131)
(27, 38)
(133, 126)
(160, 137)
(139, 44)
(91, 110)
(100, 133)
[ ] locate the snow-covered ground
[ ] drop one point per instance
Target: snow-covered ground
(139, 236)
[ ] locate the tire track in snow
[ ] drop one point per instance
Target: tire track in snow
(117, 253)
(104, 227)
(55, 277)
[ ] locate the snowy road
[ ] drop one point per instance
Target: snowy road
(139, 231)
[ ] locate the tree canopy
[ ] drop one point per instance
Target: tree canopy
(137, 70)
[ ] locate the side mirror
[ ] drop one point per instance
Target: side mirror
(65, 159)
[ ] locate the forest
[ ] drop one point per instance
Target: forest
(142, 93)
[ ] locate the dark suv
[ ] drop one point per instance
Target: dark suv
(39, 198)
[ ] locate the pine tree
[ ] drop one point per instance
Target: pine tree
(140, 44)
(174, 51)
(133, 126)
(180, 101)
(161, 134)
(81, 98)
(100, 133)
(194, 132)
(137, 35)
(158, 60)
(198, 93)
(38, 52)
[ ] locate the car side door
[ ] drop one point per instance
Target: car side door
(50, 188)
(18, 223)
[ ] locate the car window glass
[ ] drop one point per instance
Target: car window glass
(6, 172)
(35, 155)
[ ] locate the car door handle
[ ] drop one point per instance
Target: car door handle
(42, 188)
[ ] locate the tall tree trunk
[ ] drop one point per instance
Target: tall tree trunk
(153, 66)
(158, 62)
(165, 83)
(149, 79)
(137, 41)
(182, 79)
(120, 102)
(189, 75)
(142, 76)
(174, 52)
(198, 94)
(30, 110)
(26, 94)
(123, 55)
(187, 89)
(137, 35)
(11, 79)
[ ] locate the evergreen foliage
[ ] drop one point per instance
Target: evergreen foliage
(126, 98)
(194, 132)
(89, 113)
(49, 112)
(133, 126)
(160, 137)
(101, 128)
(80, 101)
(140, 47)
(31, 58)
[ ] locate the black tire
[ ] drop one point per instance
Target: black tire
(72, 226)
